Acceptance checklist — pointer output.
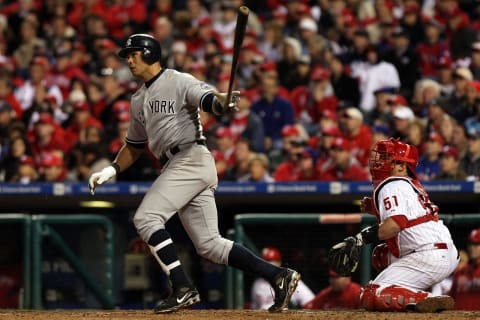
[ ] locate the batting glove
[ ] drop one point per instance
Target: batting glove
(99, 178)
(231, 105)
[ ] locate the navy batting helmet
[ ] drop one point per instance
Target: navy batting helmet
(150, 48)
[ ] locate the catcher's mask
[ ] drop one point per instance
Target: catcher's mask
(148, 45)
(385, 153)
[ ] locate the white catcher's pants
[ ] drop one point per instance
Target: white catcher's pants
(418, 271)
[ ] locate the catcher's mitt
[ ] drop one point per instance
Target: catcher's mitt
(343, 257)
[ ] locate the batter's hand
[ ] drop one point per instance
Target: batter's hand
(231, 106)
(99, 178)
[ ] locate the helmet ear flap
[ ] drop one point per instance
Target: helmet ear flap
(147, 56)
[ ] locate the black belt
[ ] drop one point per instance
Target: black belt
(164, 159)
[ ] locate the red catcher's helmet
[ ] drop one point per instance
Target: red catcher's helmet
(474, 236)
(385, 153)
(271, 254)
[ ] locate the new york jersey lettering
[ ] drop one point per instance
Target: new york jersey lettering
(162, 106)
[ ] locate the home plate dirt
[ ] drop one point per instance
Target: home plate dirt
(229, 315)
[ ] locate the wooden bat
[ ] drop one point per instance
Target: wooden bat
(242, 18)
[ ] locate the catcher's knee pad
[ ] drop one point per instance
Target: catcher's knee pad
(215, 249)
(394, 298)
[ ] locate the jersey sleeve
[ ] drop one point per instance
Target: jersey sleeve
(195, 89)
(397, 198)
(136, 134)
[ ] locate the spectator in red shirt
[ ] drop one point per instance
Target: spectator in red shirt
(466, 281)
(444, 75)
(226, 144)
(39, 80)
(342, 293)
(290, 133)
(342, 166)
(204, 34)
(52, 168)
(82, 118)
(6, 94)
(113, 92)
(307, 169)
(309, 101)
(220, 164)
(289, 170)
(326, 139)
(431, 49)
(123, 122)
(64, 72)
(351, 124)
(120, 13)
(47, 136)
(26, 171)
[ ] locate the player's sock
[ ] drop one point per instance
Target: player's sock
(165, 250)
(243, 259)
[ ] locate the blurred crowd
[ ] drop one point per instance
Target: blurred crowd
(321, 81)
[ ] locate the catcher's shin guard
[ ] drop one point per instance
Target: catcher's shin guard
(369, 296)
(392, 298)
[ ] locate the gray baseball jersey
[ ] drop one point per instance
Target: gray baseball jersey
(166, 113)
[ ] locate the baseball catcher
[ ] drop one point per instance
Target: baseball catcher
(420, 248)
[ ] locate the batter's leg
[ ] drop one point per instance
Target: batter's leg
(200, 221)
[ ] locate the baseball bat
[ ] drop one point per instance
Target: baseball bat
(242, 18)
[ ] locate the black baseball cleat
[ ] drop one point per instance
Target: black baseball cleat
(435, 304)
(284, 285)
(181, 298)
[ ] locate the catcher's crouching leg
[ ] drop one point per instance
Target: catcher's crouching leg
(393, 298)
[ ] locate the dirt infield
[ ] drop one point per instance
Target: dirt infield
(231, 315)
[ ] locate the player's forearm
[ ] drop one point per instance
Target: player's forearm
(388, 229)
(126, 157)
(383, 231)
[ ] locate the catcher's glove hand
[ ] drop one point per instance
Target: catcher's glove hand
(343, 257)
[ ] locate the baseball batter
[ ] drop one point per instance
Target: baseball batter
(165, 115)
(421, 250)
